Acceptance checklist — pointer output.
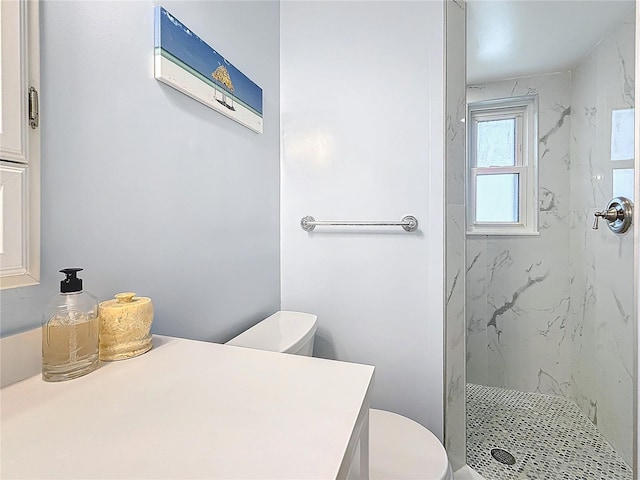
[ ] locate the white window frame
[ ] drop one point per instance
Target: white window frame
(525, 112)
(20, 150)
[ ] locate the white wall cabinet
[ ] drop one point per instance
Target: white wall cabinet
(19, 144)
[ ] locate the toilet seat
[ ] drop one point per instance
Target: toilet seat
(400, 449)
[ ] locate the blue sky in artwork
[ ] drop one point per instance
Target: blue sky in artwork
(174, 37)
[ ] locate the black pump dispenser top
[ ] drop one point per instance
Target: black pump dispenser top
(71, 283)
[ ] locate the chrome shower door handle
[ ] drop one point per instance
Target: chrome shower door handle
(618, 214)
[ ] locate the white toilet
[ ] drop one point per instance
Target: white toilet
(286, 332)
(399, 448)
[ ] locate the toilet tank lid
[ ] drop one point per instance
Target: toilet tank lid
(281, 332)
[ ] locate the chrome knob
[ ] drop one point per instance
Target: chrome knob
(610, 215)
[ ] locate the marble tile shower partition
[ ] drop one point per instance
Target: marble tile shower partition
(552, 314)
(455, 415)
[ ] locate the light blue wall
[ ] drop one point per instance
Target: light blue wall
(145, 188)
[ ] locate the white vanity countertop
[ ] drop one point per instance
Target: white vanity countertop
(188, 409)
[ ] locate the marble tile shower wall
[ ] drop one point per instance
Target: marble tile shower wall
(553, 314)
(518, 287)
(601, 328)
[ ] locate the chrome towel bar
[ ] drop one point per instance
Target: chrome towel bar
(408, 222)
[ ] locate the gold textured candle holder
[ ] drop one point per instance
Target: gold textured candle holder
(125, 325)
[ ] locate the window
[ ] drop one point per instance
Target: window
(502, 190)
(19, 144)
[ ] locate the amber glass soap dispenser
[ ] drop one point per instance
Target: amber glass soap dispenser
(70, 331)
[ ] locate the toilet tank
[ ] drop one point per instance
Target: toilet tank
(284, 331)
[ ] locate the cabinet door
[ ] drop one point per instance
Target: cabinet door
(19, 144)
(13, 84)
(13, 231)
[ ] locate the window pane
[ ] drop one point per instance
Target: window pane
(623, 182)
(496, 143)
(497, 198)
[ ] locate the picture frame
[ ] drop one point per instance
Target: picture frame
(187, 63)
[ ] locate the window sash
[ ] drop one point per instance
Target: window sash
(478, 117)
(521, 172)
(524, 111)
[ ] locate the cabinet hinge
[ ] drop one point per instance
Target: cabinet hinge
(34, 112)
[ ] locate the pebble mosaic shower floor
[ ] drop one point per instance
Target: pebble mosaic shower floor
(549, 437)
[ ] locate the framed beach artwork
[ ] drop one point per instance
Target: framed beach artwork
(187, 63)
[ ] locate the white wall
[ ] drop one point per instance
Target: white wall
(636, 256)
(362, 139)
(147, 189)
